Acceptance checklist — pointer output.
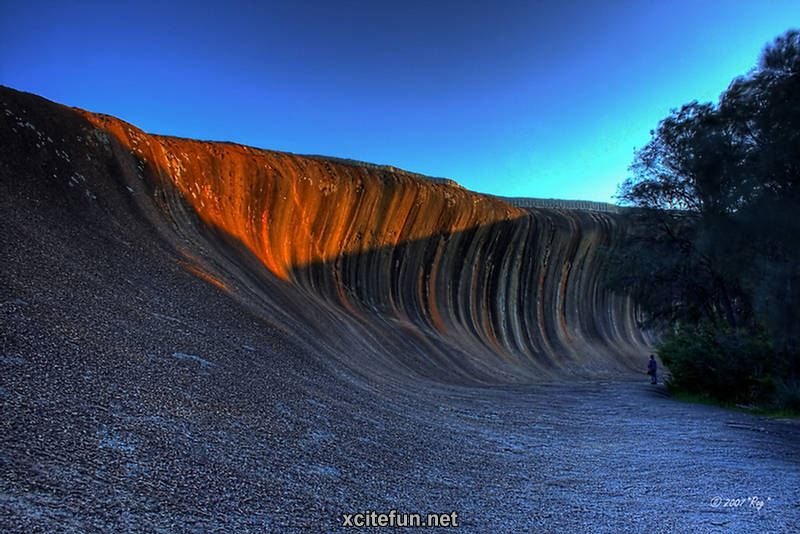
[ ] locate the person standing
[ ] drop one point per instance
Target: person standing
(652, 366)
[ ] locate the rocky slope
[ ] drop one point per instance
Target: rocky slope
(442, 282)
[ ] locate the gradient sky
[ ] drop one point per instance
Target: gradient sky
(541, 98)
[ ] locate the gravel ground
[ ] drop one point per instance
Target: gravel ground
(580, 457)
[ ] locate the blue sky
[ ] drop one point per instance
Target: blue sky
(541, 98)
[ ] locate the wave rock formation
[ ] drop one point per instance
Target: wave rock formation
(387, 273)
(207, 337)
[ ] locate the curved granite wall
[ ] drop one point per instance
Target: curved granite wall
(431, 277)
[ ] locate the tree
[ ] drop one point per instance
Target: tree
(684, 188)
(715, 230)
(765, 112)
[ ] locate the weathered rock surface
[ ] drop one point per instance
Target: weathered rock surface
(474, 289)
(200, 337)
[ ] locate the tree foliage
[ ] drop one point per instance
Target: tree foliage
(716, 218)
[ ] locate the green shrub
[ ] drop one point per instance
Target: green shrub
(787, 395)
(735, 366)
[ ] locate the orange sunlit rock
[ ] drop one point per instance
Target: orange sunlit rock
(421, 274)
